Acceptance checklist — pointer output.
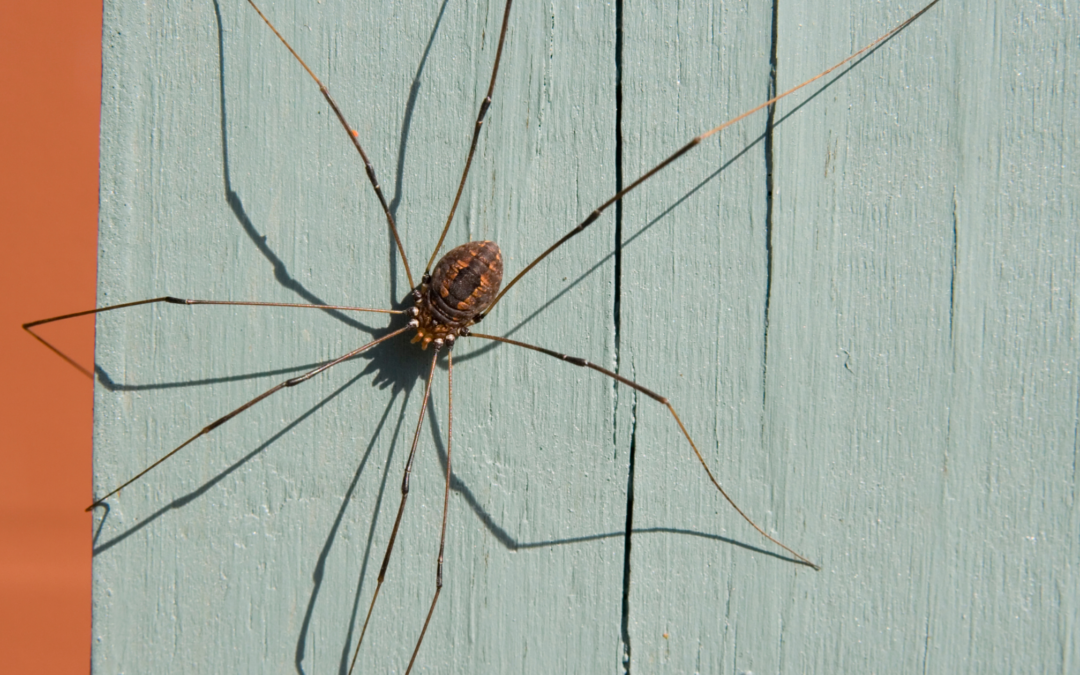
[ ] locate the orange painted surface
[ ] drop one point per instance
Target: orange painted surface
(51, 81)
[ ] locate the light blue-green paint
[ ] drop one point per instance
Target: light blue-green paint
(910, 421)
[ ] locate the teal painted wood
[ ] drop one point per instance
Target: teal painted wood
(908, 419)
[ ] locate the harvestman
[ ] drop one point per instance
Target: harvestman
(454, 294)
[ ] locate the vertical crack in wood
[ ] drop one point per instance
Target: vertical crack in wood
(624, 619)
(770, 123)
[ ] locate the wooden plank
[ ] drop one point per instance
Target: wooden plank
(908, 419)
(257, 549)
(905, 411)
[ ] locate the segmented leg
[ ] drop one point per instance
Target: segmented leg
(292, 382)
(401, 509)
(657, 397)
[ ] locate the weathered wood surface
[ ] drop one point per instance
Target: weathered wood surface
(876, 348)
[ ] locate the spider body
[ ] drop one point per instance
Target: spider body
(462, 286)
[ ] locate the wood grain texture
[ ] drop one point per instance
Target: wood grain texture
(869, 325)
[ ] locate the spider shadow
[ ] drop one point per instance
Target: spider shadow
(458, 486)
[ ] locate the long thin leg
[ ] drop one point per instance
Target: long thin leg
(401, 508)
(652, 394)
(222, 420)
(592, 217)
(353, 136)
(476, 135)
(28, 327)
(445, 507)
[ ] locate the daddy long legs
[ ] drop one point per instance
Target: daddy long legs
(534, 111)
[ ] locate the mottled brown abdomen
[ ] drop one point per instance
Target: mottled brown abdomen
(463, 284)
